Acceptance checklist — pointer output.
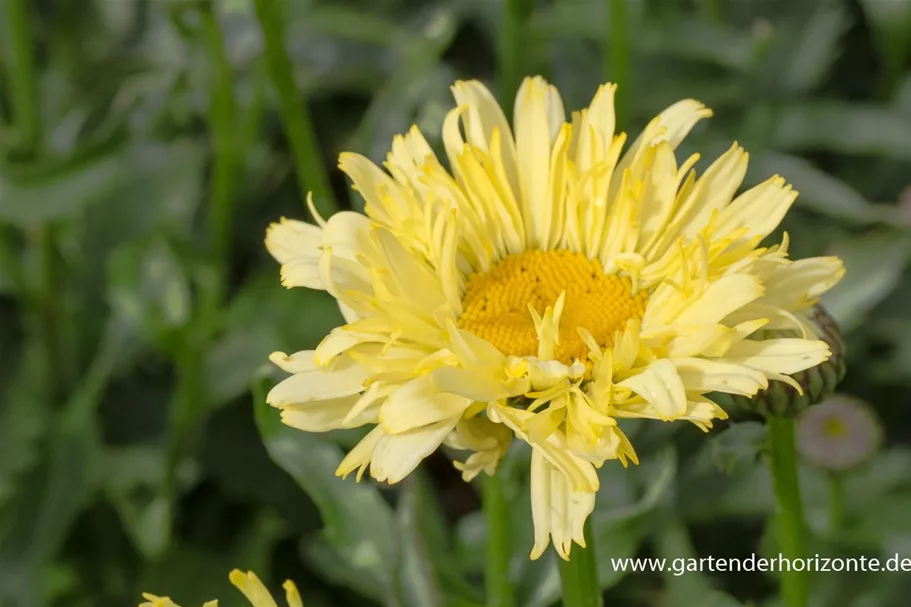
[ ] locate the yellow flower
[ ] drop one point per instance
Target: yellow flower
(251, 587)
(544, 286)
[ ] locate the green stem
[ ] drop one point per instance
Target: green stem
(836, 502)
(513, 51)
(310, 170)
(500, 591)
(47, 297)
(791, 532)
(225, 166)
(23, 85)
(579, 575)
(24, 88)
(11, 266)
(616, 59)
(185, 411)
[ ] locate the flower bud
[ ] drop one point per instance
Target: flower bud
(817, 382)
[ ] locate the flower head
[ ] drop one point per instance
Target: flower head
(839, 433)
(251, 587)
(545, 286)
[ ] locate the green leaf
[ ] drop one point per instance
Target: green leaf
(819, 191)
(718, 44)
(416, 580)
(902, 102)
(24, 417)
(297, 320)
(59, 191)
(873, 265)
(705, 493)
(738, 446)
(232, 454)
(843, 128)
(891, 22)
(133, 477)
(147, 285)
(392, 108)
(685, 587)
(359, 540)
(814, 48)
(354, 24)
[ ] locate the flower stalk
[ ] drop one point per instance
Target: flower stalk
(836, 501)
(500, 591)
(791, 531)
(309, 169)
(23, 84)
(616, 55)
(579, 575)
(222, 121)
(513, 49)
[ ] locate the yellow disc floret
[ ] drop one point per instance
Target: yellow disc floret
(495, 306)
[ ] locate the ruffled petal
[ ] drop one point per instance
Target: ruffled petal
(558, 511)
(661, 386)
(417, 404)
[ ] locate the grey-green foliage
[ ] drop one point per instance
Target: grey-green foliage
(129, 455)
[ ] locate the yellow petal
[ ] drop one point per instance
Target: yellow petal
(292, 595)
(760, 209)
(395, 456)
(558, 511)
(290, 238)
(343, 379)
(359, 457)
(720, 298)
(296, 245)
(417, 404)
(325, 415)
(538, 117)
(701, 375)
(784, 356)
(661, 386)
(298, 362)
(252, 588)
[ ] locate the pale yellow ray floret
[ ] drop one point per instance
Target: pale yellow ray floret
(543, 286)
(249, 584)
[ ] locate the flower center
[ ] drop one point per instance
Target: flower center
(835, 428)
(495, 306)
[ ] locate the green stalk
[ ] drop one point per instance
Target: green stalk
(48, 292)
(184, 412)
(188, 405)
(24, 93)
(794, 584)
(11, 267)
(513, 51)
(500, 591)
(616, 59)
(579, 575)
(309, 168)
(225, 164)
(836, 502)
(22, 84)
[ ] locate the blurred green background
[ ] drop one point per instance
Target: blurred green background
(143, 155)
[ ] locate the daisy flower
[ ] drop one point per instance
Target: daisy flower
(545, 286)
(251, 587)
(838, 434)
